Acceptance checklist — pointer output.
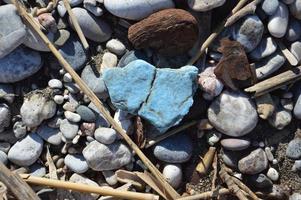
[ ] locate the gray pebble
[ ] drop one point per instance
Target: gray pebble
(37, 170)
(296, 50)
(58, 99)
(261, 181)
(72, 87)
(295, 9)
(3, 158)
(70, 106)
(293, 150)
(68, 129)
(273, 174)
(269, 154)
(76, 163)
(297, 165)
(253, 163)
(110, 176)
(67, 78)
(295, 196)
(105, 135)
(266, 47)
(50, 135)
(269, 65)
(270, 6)
(5, 116)
(278, 22)
(55, 84)
(19, 129)
(116, 47)
(72, 117)
(280, 119)
(294, 30)
(7, 93)
(231, 158)
(4, 146)
(235, 144)
(86, 113)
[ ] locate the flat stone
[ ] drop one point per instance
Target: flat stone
(19, 64)
(68, 129)
(270, 6)
(7, 93)
(295, 9)
(266, 47)
(296, 50)
(95, 82)
(105, 135)
(102, 157)
(129, 86)
(26, 151)
(86, 113)
(132, 56)
(293, 150)
(278, 22)
(116, 47)
(167, 32)
(50, 135)
(235, 144)
(205, 5)
(5, 116)
(233, 114)
(93, 28)
(173, 175)
(74, 52)
(269, 65)
(294, 30)
(136, 10)
(12, 32)
(248, 32)
(76, 163)
(253, 163)
(175, 149)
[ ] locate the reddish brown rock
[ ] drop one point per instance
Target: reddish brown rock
(169, 32)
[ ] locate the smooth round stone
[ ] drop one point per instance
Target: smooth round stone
(249, 32)
(296, 50)
(105, 135)
(19, 64)
(235, 144)
(269, 65)
(261, 181)
(233, 114)
(7, 93)
(101, 157)
(67, 78)
(231, 158)
(110, 176)
(295, 196)
(278, 22)
(293, 150)
(50, 135)
(68, 129)
(61, 9)
(136, 9)
(76, 163)
(3, 158)
(5, 146)
(273, 174)
(94, 82)
(19, 129)
(5, 116)
(266, 47)
(37, 170)
(253, 163)
(294, 30)
(109, 60)
(59, 99)
(55, 84)
(280, 119)
(297, 165)
(72, 117)
(116, 47)
(70, 106)
(295, 9)
(74, 52)
(86, 113)
(132, 56)
(12, 32)
(173, 175)
(270, 6)
(93, 28)
(205, 5)
(61, 37)
(79, 178)
(26, 151)
(175, 149)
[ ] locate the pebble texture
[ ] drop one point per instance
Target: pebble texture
(293, 150)
(205, 5)
(50, 135)
(166, 31)
(253, 163)
(76, 163)
(26, 151)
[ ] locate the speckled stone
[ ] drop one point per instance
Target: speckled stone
(293, 150)
(253, 163)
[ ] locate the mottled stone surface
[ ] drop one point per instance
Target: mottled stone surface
(253, 163)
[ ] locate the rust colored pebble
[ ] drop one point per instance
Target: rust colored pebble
(169, 32)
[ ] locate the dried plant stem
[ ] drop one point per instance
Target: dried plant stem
(205, 163)
(171, 193)
(214, 166)
(214, 34)
(207, 195)
(76, 25)
(245, 188)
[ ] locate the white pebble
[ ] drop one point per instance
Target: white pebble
(273, 174)
(173, 174)
(110, 177)
(58, 99)
(55, 83)
(72, 117)
(67, 78)
(115, 46)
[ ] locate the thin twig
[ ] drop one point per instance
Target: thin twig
(167, 188)
(207, 195)
(245, 188)
(214, 34)
(76, 25)
(214, 166)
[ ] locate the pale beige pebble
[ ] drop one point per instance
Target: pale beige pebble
(109, 60)
(265, 106)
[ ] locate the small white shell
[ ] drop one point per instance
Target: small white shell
(136, 9)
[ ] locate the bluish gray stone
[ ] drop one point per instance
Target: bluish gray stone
(74, 52)
(95, 82)
(294, 30)
(294, 149)
(132, 56)
(175, 149)
(19, 64)
(26, 151)
(170, 97)
(266, 47)
(101, 157)
(12, 31)
(51, 135)
(249, 32)
(3, 158)
(278, 22)
(68, 129)
(86, 113)
(37, 170)
(129, 87)
(269, 65)
(100, 119)
(270, 6)
(76, 163)
(105, 135)
(295, 9)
